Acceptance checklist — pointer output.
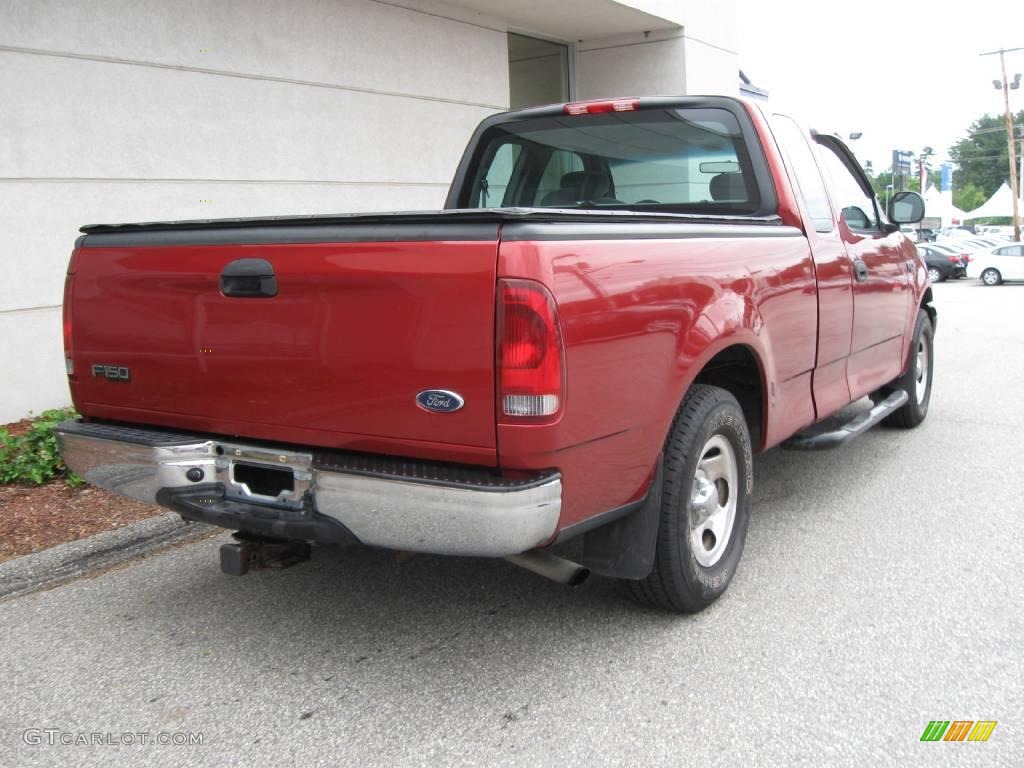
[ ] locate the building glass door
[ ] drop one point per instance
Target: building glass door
(538, 71)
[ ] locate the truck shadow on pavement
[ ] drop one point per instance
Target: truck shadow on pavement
(358, 606)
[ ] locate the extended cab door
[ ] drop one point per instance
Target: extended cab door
(881, 284)
(832, 266)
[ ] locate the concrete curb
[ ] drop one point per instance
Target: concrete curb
(78, 558)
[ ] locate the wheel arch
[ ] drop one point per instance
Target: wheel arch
(737, 367)
(927, 306)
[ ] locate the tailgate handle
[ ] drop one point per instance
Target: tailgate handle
(249, 279)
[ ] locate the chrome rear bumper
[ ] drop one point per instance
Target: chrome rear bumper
(335, 497)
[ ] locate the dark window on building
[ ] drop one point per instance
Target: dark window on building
(538, 71)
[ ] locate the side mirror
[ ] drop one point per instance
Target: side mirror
(906, 208)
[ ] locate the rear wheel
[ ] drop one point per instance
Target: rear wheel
(991, 277)
(705, 504)
(935, 275)
(917, 381)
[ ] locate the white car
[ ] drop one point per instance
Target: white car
(955, 233)
(1004, 262)
(965, 243)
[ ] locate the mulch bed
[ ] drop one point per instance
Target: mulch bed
(38, 517)
(18, 428)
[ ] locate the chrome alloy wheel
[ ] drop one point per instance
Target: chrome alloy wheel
(990, 277)
(921, 372)
(713, 501)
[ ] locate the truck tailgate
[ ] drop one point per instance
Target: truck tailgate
(355, 331)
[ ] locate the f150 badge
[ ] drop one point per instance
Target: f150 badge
(439, 400)
(112, 372)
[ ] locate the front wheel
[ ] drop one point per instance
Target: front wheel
(991, 277)
(917, 381)
(705, 503)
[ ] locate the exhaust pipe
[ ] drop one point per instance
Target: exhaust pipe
(551, 566)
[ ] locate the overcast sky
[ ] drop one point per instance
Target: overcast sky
(907, 74)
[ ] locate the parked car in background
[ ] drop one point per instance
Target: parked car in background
(942, 264)
(956, 232)
(993, 230)
(999, 264)
(978, 245)
(926, 235)
(968, 246)
(955, 249)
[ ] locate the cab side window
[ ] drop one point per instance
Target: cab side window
(1010, 250)
(858, 209)
(494, 186)
(806, 177)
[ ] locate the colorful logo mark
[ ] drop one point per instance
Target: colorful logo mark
(958, 730)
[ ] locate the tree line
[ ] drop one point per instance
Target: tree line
(981, 163)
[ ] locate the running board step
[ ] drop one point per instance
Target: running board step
(807, 441)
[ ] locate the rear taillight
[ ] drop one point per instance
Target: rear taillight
(69, 363)
(531, 371)
(597, 107)
(955, 259)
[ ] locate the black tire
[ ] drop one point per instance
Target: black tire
(991, 277)
(678, 582)
(935, 275)
(911, 382)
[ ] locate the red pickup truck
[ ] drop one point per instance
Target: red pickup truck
(621, 303)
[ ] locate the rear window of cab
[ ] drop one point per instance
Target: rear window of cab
(686, 160)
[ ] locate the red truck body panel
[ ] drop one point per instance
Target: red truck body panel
(639, 329)
(331, 361)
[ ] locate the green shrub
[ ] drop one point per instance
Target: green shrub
(33, 457)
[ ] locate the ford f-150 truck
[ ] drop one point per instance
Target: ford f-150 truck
(620, 304)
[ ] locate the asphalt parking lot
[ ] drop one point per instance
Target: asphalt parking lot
(881, 588)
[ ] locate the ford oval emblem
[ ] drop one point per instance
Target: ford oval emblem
(439, 400)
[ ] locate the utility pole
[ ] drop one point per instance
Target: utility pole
(923, 160)
(1005, 85)
(1020, 159)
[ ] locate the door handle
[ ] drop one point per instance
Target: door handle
(249, 279)
(860, 271)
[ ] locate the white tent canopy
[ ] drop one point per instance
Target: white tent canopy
(999, 205)
(939, 206)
